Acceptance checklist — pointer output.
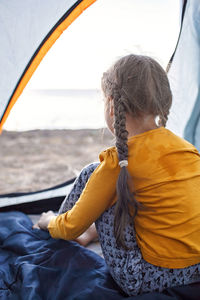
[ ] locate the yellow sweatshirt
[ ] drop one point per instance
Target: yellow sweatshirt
(165, 171)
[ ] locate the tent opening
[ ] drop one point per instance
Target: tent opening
(64, 92)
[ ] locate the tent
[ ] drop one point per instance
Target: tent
(184, 76)
(25, 43)
(23, 47)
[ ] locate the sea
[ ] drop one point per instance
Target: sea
(66, 109)
(57, 109)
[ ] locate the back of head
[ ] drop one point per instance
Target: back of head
(139, 86)
(143, 85)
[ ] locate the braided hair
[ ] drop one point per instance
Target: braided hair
(138, 86)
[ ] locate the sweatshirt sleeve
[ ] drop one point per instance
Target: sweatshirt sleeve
(98, 195)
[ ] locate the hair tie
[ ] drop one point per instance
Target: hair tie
(123, 163)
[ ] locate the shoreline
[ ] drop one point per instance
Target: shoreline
(39, 159)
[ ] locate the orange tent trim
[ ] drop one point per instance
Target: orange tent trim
(42, 52)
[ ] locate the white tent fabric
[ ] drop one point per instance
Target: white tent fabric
(23, 27)
(19, 41)
(10, 200)
(184, 76)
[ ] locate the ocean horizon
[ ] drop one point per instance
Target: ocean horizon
(57, 109)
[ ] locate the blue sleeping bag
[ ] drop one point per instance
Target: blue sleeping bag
(35, 266)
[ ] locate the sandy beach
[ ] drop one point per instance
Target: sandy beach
(39, 159)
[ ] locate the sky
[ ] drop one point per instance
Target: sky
(105, 31)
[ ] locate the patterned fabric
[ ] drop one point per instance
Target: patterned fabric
(131, 272)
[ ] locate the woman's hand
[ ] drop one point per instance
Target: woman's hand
(44, 220)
